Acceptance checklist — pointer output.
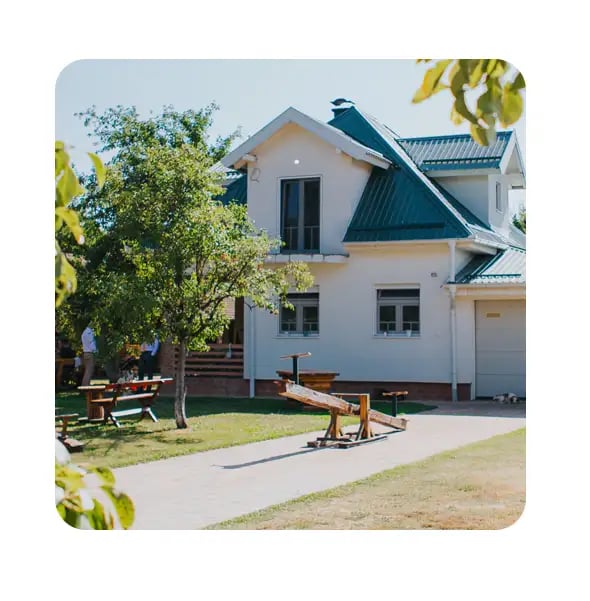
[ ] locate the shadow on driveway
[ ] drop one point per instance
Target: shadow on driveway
(485, 408)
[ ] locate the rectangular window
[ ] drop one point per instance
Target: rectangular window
(498, 197)
(304, 318)
(398, 311)
(300, 215)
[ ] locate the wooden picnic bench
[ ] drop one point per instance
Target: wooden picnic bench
(102, 408)
(63, 420)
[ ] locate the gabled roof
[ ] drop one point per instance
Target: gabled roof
(329, 134)
(436, 153)
(399, 202)
(507, 267)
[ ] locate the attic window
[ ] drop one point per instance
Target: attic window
(498, 197)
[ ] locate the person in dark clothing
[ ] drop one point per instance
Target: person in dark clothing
(69, 372)
(147, 359)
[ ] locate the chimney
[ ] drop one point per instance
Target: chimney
(342, 105)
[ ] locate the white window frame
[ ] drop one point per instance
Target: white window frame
(301, 216)
(399, 303)
(300, 301)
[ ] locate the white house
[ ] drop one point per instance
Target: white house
(419, 272)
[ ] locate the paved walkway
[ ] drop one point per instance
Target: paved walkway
(198, 490)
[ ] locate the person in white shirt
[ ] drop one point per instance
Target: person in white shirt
(147, 359)
(89, 350)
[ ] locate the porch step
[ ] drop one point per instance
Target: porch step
(215, 363)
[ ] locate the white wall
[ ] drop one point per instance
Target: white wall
(342, 182)
(478, 194)
(470, 191)
(347, 342)
(500, 220)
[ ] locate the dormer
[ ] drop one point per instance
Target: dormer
(480, 177)
(304, 179)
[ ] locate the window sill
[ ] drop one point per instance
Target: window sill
(306, 258)
(307, 337)
(396, 335)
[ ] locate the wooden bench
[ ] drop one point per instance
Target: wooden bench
(144, 391)
(395, 396)
(62, 435)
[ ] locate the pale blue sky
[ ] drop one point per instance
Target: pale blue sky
(251, 92)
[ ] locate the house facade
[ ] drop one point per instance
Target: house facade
(419, 272)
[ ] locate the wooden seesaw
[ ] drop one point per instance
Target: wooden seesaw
(338, 407)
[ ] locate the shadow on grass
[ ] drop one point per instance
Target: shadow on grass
(198, 406)
(131, 431)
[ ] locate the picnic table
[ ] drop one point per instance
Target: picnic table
(102, 399)
(60, 362)
(312, 378)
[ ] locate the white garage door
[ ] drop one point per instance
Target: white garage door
(500, 348)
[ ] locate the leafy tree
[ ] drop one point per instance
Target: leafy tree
(519, 220)
(492, 86)
(166, 251)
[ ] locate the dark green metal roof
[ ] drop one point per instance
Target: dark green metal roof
(394, 206)
(404, 204)
(366, 130)
(507, 267)
(460, 151)
(236, 191)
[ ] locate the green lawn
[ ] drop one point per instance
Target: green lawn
(213, 423)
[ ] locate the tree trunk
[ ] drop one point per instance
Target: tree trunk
(180, 393)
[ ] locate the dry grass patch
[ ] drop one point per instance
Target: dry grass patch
(477, 487)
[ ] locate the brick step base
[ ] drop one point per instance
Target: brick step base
(239, 387)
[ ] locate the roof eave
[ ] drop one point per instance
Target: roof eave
(481, 285)
(512, 147)
(238, 157)
(367, 243)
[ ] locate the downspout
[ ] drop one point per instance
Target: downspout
(452, 291)
(252, 350)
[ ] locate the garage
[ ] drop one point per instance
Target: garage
(500, 347)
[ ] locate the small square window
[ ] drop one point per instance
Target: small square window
(398, 310)
(304, 318)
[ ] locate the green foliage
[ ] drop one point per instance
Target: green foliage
(161, 253)
(519, 220)
(494, 87)
(73, 499)
(67, 188)
(75, 503)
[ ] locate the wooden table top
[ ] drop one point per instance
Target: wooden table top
(308, 372)
(132, 384)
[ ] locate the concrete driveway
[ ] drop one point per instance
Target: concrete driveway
(195, 491)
